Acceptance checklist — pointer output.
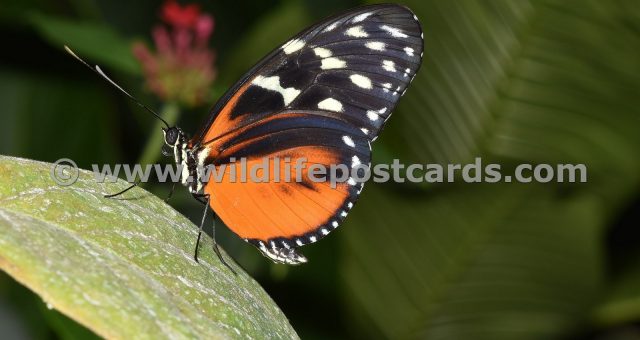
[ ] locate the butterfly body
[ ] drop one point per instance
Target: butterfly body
(187, 158)
(320, 98)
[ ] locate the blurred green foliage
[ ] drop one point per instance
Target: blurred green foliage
(545, 81)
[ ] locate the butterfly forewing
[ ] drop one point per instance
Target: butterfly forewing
(363, 59)
(323, 96)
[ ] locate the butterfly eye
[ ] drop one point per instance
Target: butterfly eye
(171, 136)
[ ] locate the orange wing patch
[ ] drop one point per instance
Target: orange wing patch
(278, 209)
(223, 123)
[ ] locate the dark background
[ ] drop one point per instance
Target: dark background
(510, 81)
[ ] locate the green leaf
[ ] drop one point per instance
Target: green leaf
(501, 261)
(94, 41)
(622, 303)
(123, 267)
(521, 82)
(535, 81)
(29, 125)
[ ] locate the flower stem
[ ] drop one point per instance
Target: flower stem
(170, 112)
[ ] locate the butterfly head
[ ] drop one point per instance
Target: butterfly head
(173, 136)
(174, 140)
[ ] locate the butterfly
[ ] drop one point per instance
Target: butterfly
(323, 96)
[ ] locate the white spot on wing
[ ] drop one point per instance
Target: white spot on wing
(322, 52)
(361, 17)
(273, 84)
(330, 104)
(409, 51)
(366, 131)
(334, 224)
(355, 161)
(389, 65)
(375, 45)
(293, 46)
(374, 115)
(361, 81)
(331, 27)
(395, 32)
(351, 181)
(357, 32)
(332, 63)
(347, 140)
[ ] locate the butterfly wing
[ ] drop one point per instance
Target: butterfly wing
(275, 214)
(320, 98)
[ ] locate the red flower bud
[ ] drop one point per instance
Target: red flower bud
(181, 69)
(174, 14)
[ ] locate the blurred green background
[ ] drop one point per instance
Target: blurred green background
(510, 81)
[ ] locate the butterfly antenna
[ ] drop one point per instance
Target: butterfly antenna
(98, 70)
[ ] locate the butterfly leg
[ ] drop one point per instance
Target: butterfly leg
(135, 184)
(173, 187)
(215, 245)
(204, 199)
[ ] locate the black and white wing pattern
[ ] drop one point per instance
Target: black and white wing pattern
(356, 65)
(323, 96)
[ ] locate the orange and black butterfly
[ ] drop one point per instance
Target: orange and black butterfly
(323, 96)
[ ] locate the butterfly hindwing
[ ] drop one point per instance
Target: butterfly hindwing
(323, 96)
(278, 215)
